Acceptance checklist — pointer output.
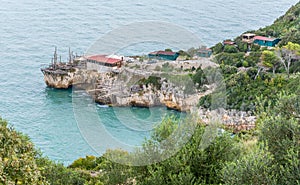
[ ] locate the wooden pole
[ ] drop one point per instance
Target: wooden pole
(55, 56)
(70, 55)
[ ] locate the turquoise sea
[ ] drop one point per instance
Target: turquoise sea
(29, 30)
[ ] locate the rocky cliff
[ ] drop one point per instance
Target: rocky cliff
(59, 80)
(112, 90)
(126, 89)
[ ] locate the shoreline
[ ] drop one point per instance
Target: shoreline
(112, 89)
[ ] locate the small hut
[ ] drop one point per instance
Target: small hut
(204, 52)
(248, 37)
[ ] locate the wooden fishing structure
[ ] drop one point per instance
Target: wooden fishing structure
(63, 68)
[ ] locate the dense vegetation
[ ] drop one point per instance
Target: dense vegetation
(286, 27)
(270, 155)
(263, 72)
(17, 158)
(20, 163)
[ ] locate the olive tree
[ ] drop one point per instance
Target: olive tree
(270, 60)
(288, 54)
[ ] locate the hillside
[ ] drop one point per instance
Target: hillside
(286, 27)
(247, 74)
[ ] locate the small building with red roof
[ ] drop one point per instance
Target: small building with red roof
(266, 41)
(163, 55)
(228, 42)
(104, 60)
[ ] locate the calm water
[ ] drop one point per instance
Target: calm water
(31, 28)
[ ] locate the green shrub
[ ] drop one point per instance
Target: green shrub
(253, 168)
(17, 158)
(230, 49)
(199, 78)
(88, 163)
(154, 80)
(218, 48)
(242, 46)
(228, 70)
(245, 64)
(232, 59)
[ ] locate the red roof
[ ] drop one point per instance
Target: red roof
(204, 49)
(104, 59)
(228, 42)
(264, 38)
(163, 53)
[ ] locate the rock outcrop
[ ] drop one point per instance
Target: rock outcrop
(59, 80)
(109, 89)
(232, 119)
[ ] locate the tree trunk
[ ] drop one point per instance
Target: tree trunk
(288, 65)
(259, 69)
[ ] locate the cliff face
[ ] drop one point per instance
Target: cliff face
(114, 90)
(59, 81)
(117, 90)
(110, 89)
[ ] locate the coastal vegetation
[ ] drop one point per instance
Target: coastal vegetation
(153, 80)
(268, 155)
(21, 163)
(286, 27)
(251, 71)
(263, 81)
